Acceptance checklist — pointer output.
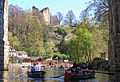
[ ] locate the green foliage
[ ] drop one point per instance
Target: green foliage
(60, 56)
(62, 46)
(50, 47)
(99, 64)
(13, 40)
(81, 44)
(64, 31)
(97, 59)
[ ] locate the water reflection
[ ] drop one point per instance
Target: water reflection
(9, 76)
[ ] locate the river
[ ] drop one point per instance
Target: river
(9, 76)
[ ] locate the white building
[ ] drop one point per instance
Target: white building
(12, 51)
(21, 54)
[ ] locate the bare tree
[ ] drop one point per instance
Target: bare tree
(54, 20)
(70, 16)
(66, 22)
(83, 15)
(60, 17)
(101, 9)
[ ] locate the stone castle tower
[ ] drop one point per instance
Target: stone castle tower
(43, 15)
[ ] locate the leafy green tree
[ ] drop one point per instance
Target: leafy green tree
(62, 47)
(35, 41)
(13, 40)
(49, 48)
(64, 31)
(80, 45)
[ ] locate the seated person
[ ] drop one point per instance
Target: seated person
(37, 67)
(79, 70)
(29, 68)
(84, 68)
(32, 69)
(73, 68)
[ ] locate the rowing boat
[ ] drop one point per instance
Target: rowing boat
(36, 74)
(75, 76)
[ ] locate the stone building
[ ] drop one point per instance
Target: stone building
(43, 15)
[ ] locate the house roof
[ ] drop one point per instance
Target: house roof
(35, 58)
(21, 52)
(22, 58)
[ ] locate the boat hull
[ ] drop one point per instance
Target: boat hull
(36, 74)
(73, 76)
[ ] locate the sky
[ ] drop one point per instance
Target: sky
(55, 6)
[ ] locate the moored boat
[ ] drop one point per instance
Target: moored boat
(75, 76)
(36, 74)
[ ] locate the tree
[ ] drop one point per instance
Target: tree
(101, 9)
(54, 20)
(83, 15)
(35, 40)
(62, 47)
(60, 17)
(80, 45)
(70, 17)
(49, 48)
(13, 40)
(66, 22)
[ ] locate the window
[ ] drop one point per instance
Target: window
(19, 54)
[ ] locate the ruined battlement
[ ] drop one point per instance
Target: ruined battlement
(43, 15)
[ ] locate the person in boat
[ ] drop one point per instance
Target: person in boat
(40, 66)
(37, 67)
(84, 68)
(32, 69)
(73, 69)
(29, 68)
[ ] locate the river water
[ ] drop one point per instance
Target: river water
(51, 72)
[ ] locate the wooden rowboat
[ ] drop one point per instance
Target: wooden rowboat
(75, 76)
(36, 74)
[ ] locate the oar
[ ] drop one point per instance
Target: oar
(57, 76)
(20, 74)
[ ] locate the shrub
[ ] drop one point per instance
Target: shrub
(99, 64)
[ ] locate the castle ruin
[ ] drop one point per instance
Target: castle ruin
(43, 15)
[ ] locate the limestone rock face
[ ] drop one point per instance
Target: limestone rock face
(4, 44)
